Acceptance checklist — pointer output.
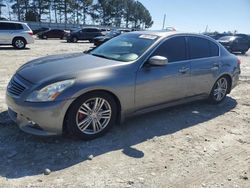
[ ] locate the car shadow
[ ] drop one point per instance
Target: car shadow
(80, 42)
(12, 48)
(22, 154)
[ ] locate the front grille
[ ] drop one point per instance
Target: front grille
(16, 87)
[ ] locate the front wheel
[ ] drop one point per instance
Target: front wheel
(92, 115)
(219, 91)
(74, 40)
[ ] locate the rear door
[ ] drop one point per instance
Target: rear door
(205, 64)
(82, 34)
(96, 33)
(241, 44)
(7, 31)
(91, 33)
(54, 33)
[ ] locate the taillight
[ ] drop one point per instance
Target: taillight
(238, 61)
(30, 33)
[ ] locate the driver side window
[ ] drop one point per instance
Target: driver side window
(174, 49)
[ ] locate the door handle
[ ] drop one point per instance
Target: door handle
(183, 70)
(216, 65)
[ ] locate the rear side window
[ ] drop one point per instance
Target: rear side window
(18, 26)
(242, 40)
(198, 47)
(214, 49)
(7, 26)
(174, 49)
(10, 26)
(91, 30)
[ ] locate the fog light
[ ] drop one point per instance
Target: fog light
(34, 125)
(32, 122)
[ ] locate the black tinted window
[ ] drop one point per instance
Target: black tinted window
(18, 26)
(242, 40)
(7, 26)
(214, 49)
(10, 26)
(174, 49)
(91, 30)
(198, 47)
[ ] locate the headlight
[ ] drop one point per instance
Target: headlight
(50, 92)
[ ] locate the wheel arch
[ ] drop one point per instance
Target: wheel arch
(229, 78)
(117, 101)
(18, 37)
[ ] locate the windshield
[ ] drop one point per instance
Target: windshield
(128, 47)
(227, 38)
(113, 33)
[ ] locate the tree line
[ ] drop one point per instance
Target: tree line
(117, 13)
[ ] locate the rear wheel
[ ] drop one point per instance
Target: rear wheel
(219, 91)
(19, 43)
(92, 115)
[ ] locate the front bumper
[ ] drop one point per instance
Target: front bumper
(43, 119)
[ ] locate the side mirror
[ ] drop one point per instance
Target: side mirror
(158, 61)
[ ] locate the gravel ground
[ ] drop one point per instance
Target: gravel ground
(193, 145)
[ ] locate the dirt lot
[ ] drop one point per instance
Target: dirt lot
(193, 145)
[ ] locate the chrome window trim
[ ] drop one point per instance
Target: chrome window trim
(182, 35)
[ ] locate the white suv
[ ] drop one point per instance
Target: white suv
(17, 34)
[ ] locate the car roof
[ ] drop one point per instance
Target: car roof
(6, 21)
(164, 34)
(90, 28)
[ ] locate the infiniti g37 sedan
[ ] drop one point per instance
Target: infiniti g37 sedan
(85, 94)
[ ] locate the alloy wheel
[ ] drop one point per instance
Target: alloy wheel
(19, 43)
(93, 115)
(220, 89)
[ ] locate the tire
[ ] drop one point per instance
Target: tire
(83, 119)
(74, 40)
(19, 43)
(243, 52)
(45, 37)
(219, 90)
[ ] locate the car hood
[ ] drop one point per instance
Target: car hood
(223, 40)
(63, 66)
(102, 37)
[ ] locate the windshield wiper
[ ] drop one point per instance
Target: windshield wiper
(100, 55)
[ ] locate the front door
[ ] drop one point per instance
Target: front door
(160, 84)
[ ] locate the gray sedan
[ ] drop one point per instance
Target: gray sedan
(85, 94)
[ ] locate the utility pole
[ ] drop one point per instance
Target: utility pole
(164, 20)
(8, 6)
(206, 29)
(18, 10)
